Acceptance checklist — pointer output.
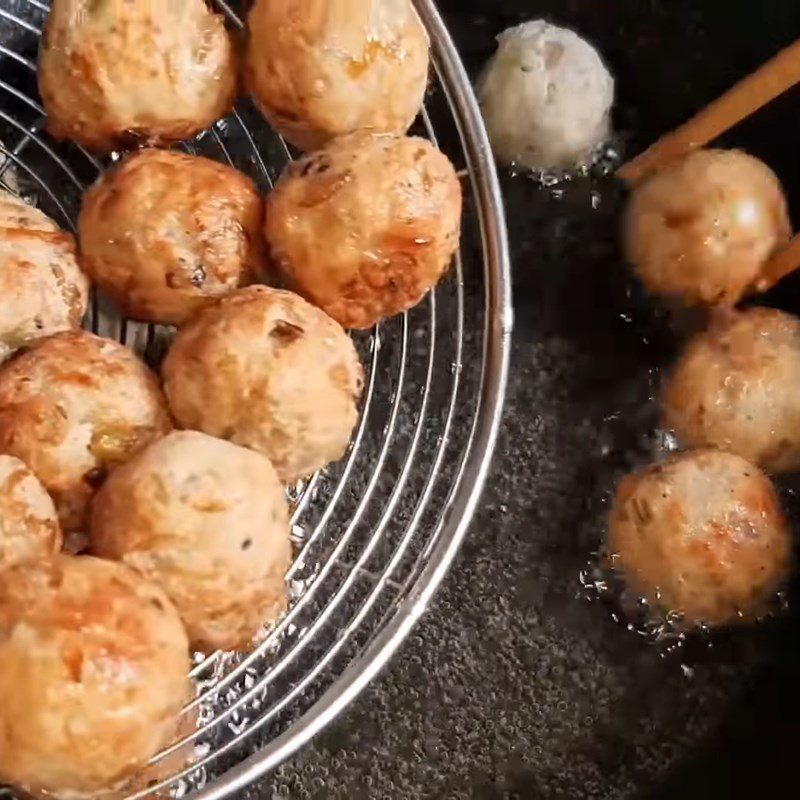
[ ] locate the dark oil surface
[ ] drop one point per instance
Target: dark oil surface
(514, 685)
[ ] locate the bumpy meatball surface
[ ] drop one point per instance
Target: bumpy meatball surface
(546, 97)
(93, 674)
(267, 370)
(72, 408)
(702, 228)
(367, 226)
(320, 68)
(737, 387)
(42, 286)
(114, 73)
(16, 213)
(701, 534)
(29, 529)
(207, 521)
(165, 232)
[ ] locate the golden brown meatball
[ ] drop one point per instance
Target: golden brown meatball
(113, 73)
(367, 226)
(268, 371)
(73, 407)
(701, 534)
(16, 213)
(165, 232)
(208, 522)
(321, 69)
(737, 387)
(702, 228)
(29, 529)
(43, 289)
(93, 674)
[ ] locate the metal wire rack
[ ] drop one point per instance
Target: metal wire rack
(375, 533)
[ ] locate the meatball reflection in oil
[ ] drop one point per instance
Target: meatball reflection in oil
(737, 387)
(701, 229)
(701, 535)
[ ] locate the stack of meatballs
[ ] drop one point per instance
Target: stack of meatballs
(177, 482)
(702, 535)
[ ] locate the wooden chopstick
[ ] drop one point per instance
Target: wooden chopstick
(765, 84)
(783, 263)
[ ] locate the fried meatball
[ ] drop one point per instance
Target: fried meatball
(320, 69)
(737, 387)
(16, 213)
(546, 97)
(43, 289)
(268, 371)
(165, 232)
(29, 529)
(208, 522)
(93, 675)
(702, 228)
(73, 407)
(702, 535)
(114, 73)
(367, 226)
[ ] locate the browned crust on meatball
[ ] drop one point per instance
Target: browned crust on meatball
(735, 387)
(366, 227)
(72, 408)
(267, 370)
(701, 229)
(208, 522)
(701, 534)
(165, 233)
(118, 74)
(16, 213)
(43, 288)
(321, 69)
(29, 529)
(93, 674)
(62, 247)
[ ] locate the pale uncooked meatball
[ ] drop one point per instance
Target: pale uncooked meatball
(268, 371)
(165, 232)
(72, 408)
(208, 522)
(29, 529)
(321, 69)
(737, 387)
(93, 675)
(546, 97)
(43, 289)
(367, 226)
(702, 535)
(115, 73)
(701, 229)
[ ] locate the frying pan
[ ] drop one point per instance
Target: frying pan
(517, 685)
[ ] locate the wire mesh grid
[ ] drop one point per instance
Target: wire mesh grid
(373, 533)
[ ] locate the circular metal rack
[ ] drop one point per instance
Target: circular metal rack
(375, 533)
